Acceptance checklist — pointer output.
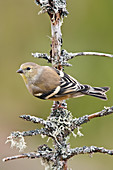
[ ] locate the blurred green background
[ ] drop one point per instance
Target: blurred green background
(88, 27)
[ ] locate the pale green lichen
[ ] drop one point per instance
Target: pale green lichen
(78, 131)
(17, 142)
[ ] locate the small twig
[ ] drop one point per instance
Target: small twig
(69, 56)
(65, 56)
(88, 150)
(105, 112)
(30, 133)
(84, 119)
(31, 155)
(33, 119)
(42, 55)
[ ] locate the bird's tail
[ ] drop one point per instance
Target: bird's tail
(98, 92)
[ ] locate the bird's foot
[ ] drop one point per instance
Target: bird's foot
(59, 105)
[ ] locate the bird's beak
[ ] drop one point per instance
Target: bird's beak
(19, 71)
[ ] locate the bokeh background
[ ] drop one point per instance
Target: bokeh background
(88, 27)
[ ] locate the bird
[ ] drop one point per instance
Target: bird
(47, 82)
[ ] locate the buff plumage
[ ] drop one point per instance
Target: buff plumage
(47, 82)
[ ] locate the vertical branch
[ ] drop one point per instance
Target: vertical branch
(56, 23)
(56, 40)
(55, 54)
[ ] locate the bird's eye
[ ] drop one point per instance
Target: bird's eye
(28, 68)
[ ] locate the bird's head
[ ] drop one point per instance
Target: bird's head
(28, 70)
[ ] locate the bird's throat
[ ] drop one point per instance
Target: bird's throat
(24, 78)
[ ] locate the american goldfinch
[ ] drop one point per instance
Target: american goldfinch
(47, 82)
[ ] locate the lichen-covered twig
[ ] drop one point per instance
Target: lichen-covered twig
(88, 150)
(42, 131)
(42, 55)
(33, 119)
(84, 119)
(67, 56)
(47, 153)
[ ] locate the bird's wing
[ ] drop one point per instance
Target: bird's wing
(68, 85)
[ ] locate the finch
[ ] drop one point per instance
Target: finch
(47, 82)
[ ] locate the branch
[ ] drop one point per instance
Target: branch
(33, 119)
(104, 112)
(81, 120)
(31, 155)
(67, 56)
(29, 133)
(88, 150)
(42, 55)
(44, 152)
